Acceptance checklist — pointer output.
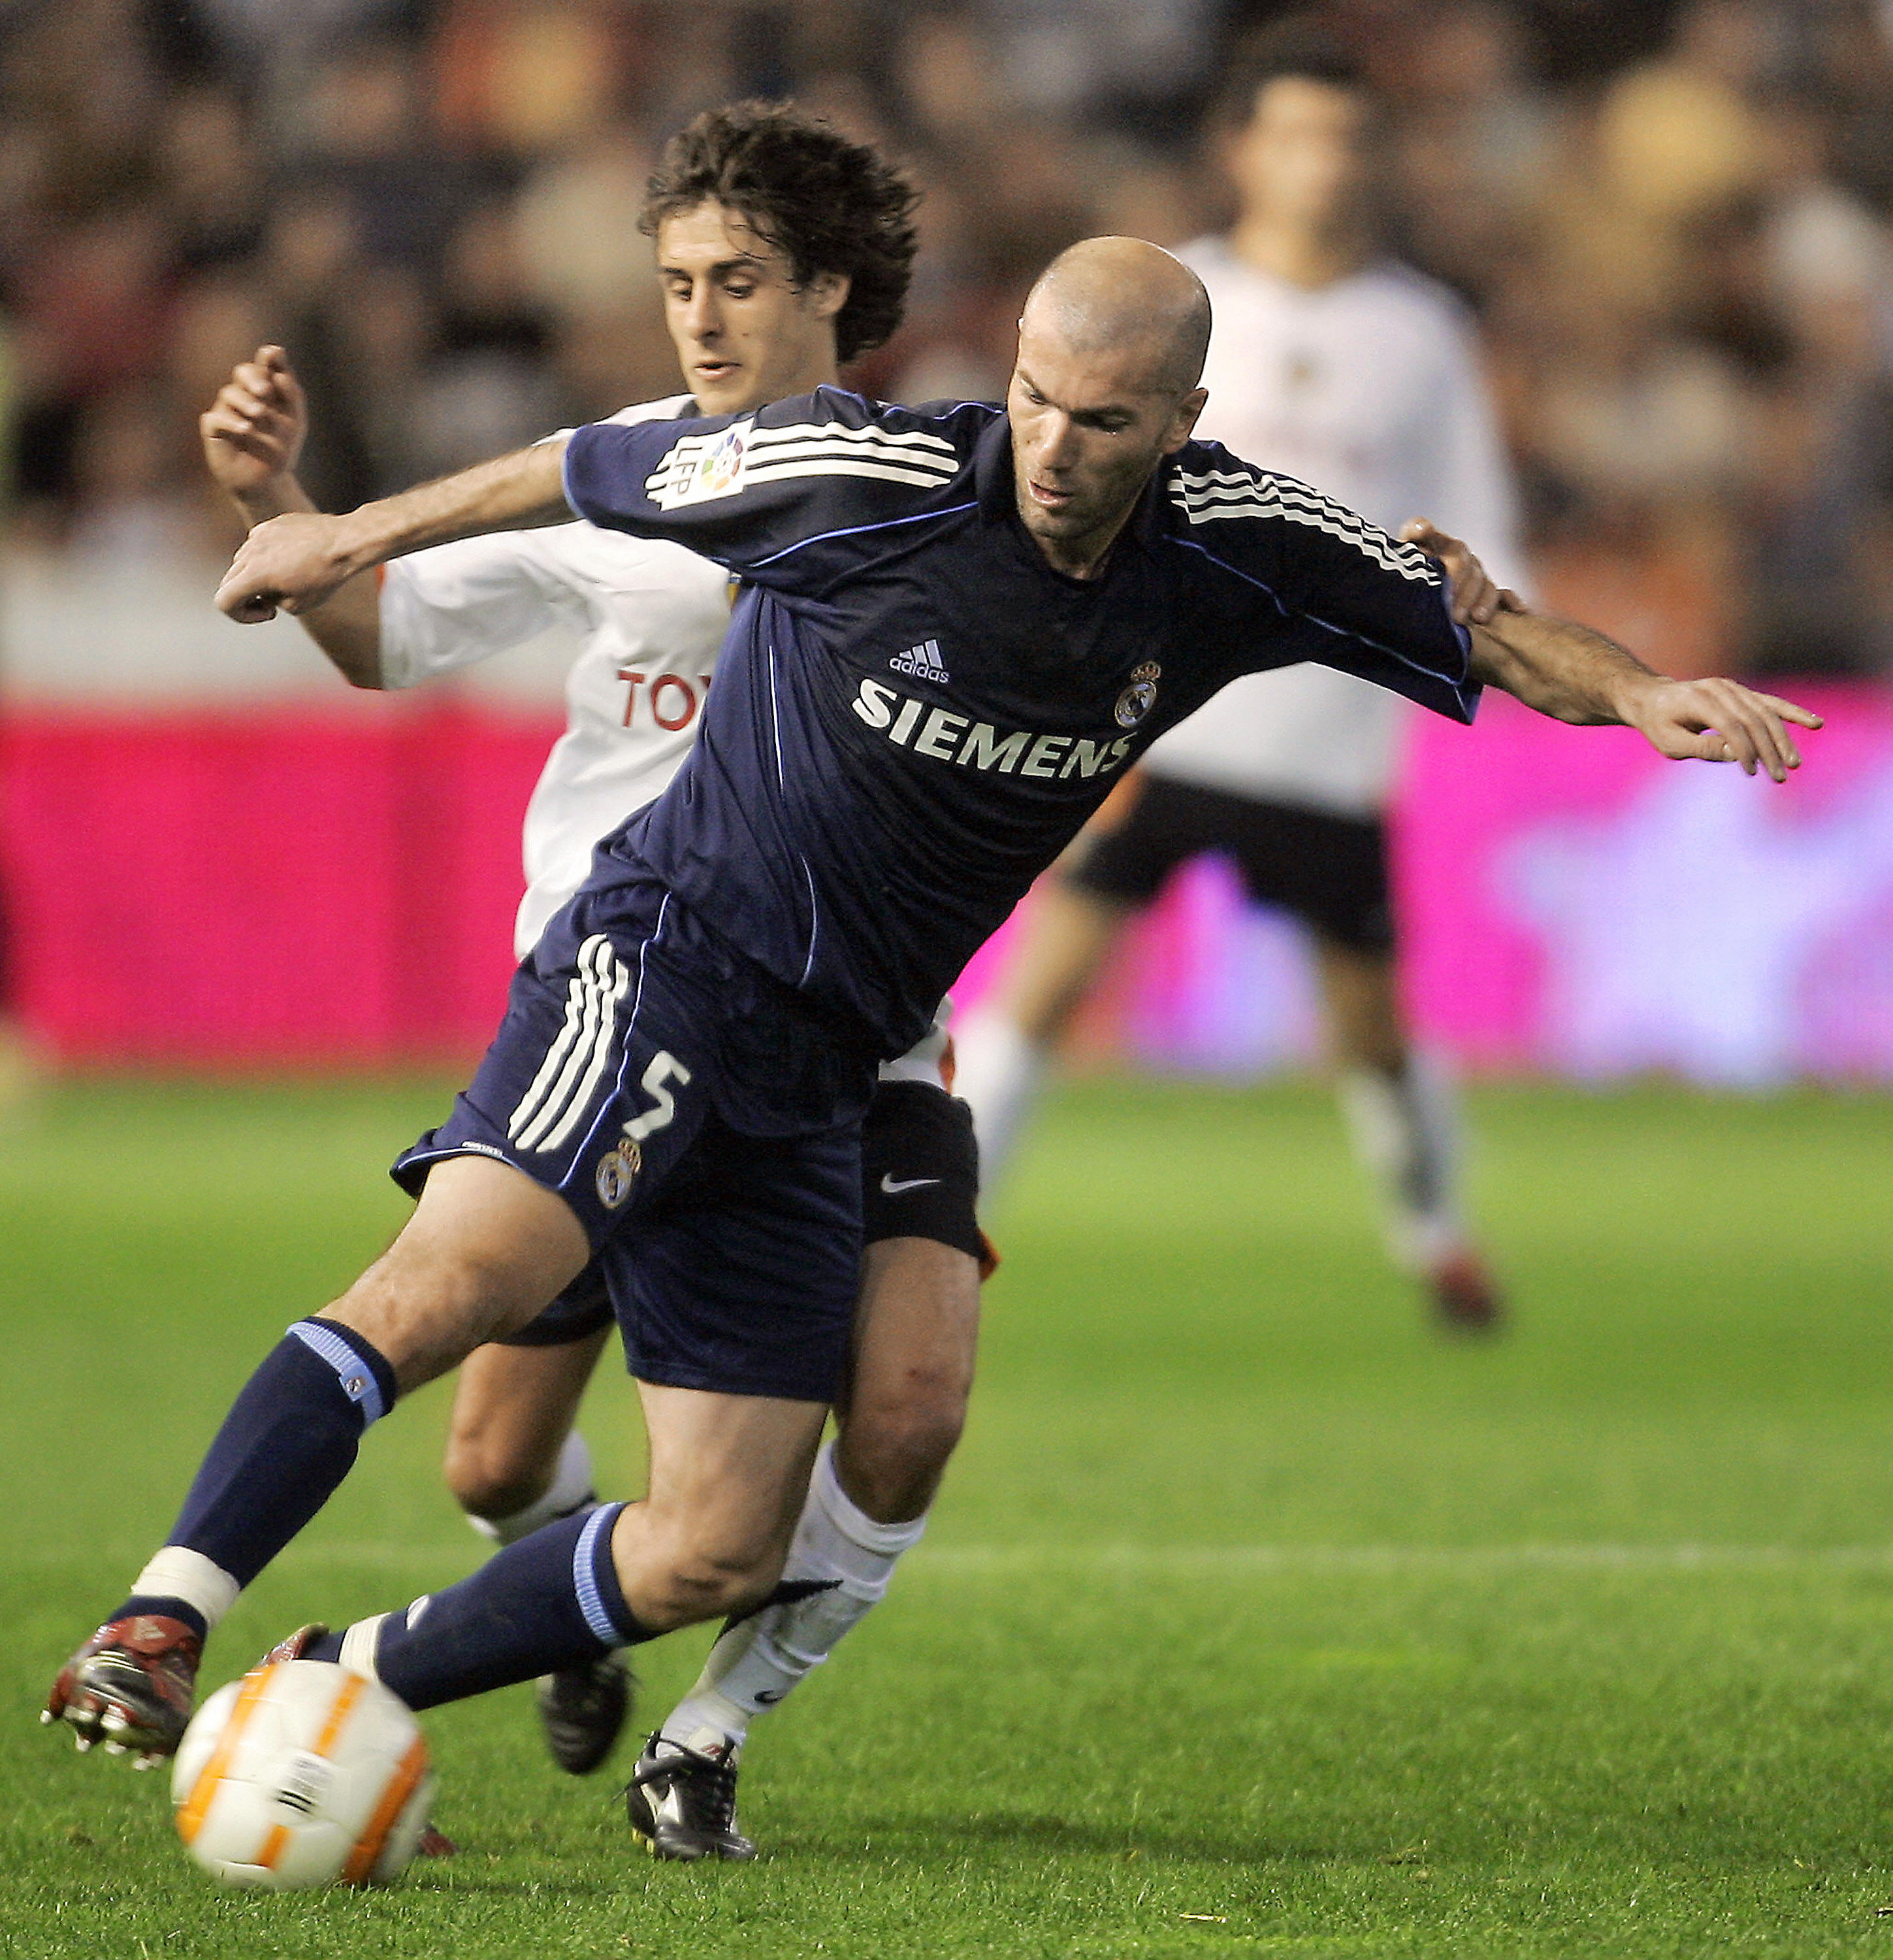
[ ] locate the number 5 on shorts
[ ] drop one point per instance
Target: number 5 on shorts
(665, 1068)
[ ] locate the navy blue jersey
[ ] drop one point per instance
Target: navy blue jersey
(913, 713)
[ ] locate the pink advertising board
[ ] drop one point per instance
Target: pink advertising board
(308, 886)
(1572, 902)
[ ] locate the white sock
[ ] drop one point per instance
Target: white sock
(1406, 1134)
(760, 1659)
(571, 1493)
(178, 1572)
(997, 1071)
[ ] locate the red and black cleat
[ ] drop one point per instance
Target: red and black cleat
(131, 1687)
(295, 1647)
(1465, 1298)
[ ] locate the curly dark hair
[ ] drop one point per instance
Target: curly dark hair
(826, 204)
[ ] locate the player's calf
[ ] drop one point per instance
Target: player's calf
(672, 1581)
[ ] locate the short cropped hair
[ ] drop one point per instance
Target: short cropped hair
(1301, 48)
(826, 204)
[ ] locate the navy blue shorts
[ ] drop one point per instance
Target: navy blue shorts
(919, 1179)
(704, 1127)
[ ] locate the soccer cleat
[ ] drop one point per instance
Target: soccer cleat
(682, 1804)
(1465, 1299)
(293, 1646)
(131, 1687)
(583, 1709)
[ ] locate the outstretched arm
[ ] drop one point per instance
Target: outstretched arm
(1573, 674)
(298, 561)
(252, 435)
(776, 495)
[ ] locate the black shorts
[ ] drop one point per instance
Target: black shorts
(919, 1179)
(1330, 871)
(920, 1168)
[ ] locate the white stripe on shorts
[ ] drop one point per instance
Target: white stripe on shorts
(549, 1110)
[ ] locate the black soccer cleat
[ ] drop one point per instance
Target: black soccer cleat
(583, 1709)
(682, 1804)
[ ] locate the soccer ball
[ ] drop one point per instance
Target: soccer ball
(302, 1773)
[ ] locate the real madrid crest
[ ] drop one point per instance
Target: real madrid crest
(618, 1170)
(1137, 700)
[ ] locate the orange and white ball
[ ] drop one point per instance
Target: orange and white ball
(302, 1773)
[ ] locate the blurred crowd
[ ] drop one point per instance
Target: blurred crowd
(1672, 220)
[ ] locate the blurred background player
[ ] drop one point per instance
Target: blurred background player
(1335, 365)
(783, 250)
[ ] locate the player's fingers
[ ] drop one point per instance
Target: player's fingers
(241, 441)
(241, 600)
(1773, 751)
(227, 404)
(1759, 727)
(1802, 717)
(1510, 601)
(282, 386)
(1737, 746)
(230, 423)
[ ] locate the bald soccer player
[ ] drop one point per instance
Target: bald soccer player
(783, 249)
(958, 628)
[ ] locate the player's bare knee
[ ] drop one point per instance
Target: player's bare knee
(489, 1479)
(894, 1451)
(916, 1431)
(426, 1311)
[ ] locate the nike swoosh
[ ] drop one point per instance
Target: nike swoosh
(894, 1190)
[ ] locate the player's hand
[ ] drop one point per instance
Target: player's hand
(1719, 721)
(253, 433)
(1476, 599)
(294, 561)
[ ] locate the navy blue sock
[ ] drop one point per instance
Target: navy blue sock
(289, 1439)
(551, 1601)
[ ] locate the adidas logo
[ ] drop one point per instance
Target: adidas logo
(922, 662)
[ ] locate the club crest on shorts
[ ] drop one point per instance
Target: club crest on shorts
(618, 1170)
(1137, 700)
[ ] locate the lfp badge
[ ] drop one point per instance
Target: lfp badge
(720, 468)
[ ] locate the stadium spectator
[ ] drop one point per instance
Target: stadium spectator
(1672, 218)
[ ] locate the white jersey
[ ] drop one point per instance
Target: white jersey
(650, 618)
(1369, 389)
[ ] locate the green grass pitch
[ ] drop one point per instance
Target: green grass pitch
(1256, 1618)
